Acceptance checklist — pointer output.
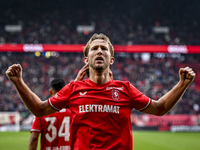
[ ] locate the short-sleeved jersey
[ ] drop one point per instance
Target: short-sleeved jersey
(101, 113)
(54, 129)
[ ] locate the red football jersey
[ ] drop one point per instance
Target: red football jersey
(101, 113)
(54, 129)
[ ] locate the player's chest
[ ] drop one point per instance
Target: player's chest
(103, 100)
(104, 95)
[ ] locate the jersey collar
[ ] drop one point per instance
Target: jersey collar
(97, 85)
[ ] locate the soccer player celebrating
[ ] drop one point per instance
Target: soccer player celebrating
(101, 105)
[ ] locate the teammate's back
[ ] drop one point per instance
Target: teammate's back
(54, 129)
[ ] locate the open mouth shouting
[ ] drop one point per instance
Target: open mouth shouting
(99, 59)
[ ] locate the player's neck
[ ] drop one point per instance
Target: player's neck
(99, 77)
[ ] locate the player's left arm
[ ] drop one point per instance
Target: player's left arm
(166, 102)
(33, 141)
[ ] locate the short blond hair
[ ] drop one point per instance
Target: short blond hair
(98, 36)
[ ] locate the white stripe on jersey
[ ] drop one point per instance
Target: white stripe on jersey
(53, 106)
(146, 105)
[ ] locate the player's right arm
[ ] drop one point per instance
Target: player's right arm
(31, 100)
(33, 141)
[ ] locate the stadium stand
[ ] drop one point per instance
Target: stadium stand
(56, 22)
(154, 77)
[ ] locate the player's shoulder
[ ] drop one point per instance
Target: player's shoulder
(64, 110)
(41, 119)
(73, 84)
(80, 83)
(123, 84)
(120, 82)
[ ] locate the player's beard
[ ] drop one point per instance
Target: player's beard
(99, 67)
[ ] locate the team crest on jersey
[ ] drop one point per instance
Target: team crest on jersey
(115, 94)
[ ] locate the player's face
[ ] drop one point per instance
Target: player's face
(99, 56)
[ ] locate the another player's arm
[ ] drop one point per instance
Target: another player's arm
(31, 100)
(166, 102)
(82, 73)
(33, 141)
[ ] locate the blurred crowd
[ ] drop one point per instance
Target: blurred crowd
(153, 77)
(128, 22)
(125, 22)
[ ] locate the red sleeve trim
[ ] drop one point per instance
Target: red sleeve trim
(50, 104)
(149, 103)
